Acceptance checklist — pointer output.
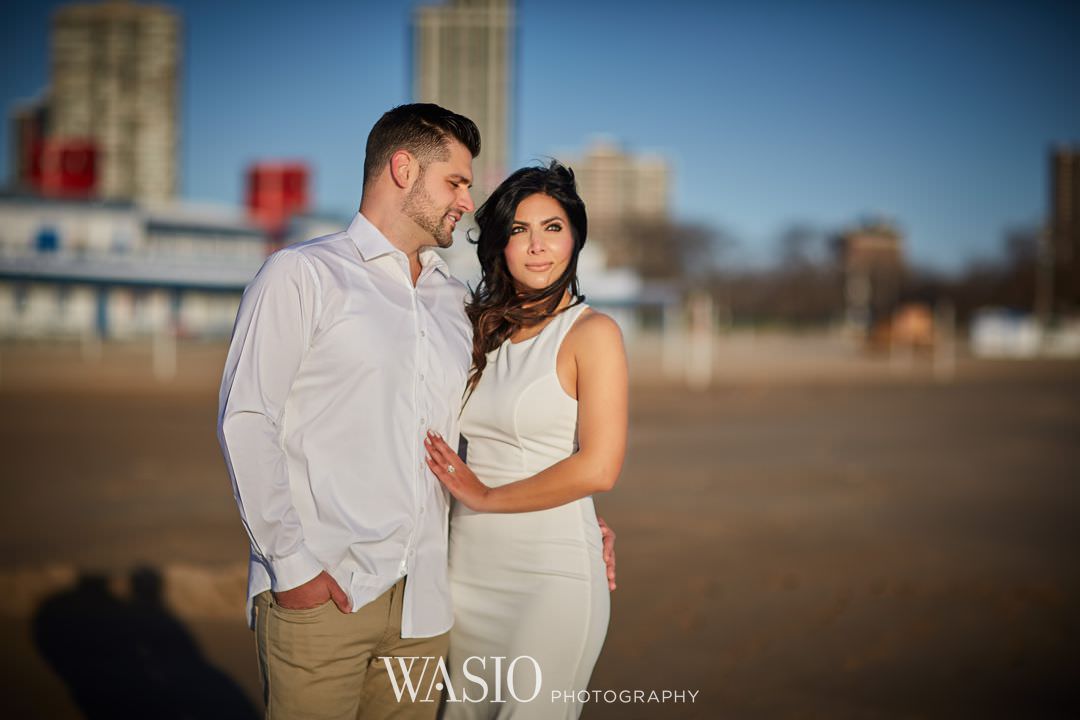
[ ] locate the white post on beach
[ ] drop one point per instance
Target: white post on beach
(699, 359)
(901, 347)
(944, 342)
(90, 344)
(164, 352)
(671, 342)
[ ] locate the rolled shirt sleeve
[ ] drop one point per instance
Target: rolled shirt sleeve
(274, 327)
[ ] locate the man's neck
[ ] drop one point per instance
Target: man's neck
(402, 233)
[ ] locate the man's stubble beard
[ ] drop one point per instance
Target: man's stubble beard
(419, 208)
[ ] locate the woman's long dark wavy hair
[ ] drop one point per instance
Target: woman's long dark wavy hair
(498, 308)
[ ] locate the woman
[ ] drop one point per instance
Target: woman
(545, 428)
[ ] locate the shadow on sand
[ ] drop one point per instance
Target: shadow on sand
(131, 658)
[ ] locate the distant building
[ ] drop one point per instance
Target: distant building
(28, 127)
(117, 269)
(67, 168)
(871, 262)
(114, 83)
(622, 191)
(463, 59)
(44, 165)
(1064, 235)
(92, 242)
(275, 192)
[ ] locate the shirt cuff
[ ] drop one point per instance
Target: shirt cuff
(293, 570)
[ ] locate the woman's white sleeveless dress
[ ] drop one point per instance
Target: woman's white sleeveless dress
(524, 584)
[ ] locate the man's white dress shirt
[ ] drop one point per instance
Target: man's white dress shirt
(337, 368)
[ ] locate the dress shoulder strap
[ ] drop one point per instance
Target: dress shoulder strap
(566, 321)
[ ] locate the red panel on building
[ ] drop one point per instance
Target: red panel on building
(276, 192)
(64, 168)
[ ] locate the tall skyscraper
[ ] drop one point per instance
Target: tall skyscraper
(115, 70)
(463, 60)
(616, 183)
(622, 192)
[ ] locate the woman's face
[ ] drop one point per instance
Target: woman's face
(540, 244)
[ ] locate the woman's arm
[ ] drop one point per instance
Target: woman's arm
(602, 420)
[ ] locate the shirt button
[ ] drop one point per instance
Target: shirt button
(421, 511)
(421, 377)
(412, 553)
(423, 333)
(423, 421)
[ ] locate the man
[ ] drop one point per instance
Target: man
(346, 350)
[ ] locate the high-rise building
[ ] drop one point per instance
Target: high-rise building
(115, 70)
(1064, 235)
(463, 55)
(28, 123)
(49, 166)
(622, 192)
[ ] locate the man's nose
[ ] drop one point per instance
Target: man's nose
(467, 204)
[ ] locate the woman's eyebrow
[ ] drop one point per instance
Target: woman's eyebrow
(542, 222)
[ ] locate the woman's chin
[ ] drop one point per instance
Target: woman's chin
(530, 287)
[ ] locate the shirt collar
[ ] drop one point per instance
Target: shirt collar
(430, 258)
(371, 243)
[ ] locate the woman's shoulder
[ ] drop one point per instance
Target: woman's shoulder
(594, 330)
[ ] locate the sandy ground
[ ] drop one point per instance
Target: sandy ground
(835, 544)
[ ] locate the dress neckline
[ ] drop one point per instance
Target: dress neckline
(551, 322)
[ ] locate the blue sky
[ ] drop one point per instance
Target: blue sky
(938, 115)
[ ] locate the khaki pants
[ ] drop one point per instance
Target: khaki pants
(322, 663)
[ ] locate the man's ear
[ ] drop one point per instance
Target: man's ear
(403, 167)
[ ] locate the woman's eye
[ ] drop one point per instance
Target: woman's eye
(554, 227)
(517, 229)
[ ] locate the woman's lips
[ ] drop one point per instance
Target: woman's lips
(539, 267)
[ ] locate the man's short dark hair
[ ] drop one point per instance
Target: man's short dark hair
(424, 129)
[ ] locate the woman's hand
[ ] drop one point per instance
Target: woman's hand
(608, 536)
(455, 474)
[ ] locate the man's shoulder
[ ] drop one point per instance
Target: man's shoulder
(313, 253)
(301, 257)
(332, 243)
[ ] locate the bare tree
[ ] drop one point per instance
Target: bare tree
(664, 249)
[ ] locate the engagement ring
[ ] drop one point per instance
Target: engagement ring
(451, 469)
